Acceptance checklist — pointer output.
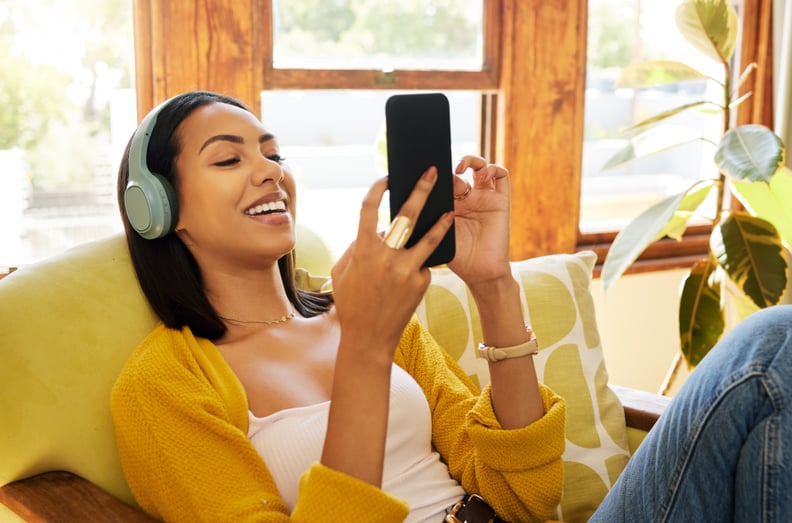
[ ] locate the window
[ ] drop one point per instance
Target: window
(378, 34)
(333, 151)
(532, 81)
(622, 32)
(67, 111)
(625, 31)
(378, 44)
(330, 136)
(530, 77)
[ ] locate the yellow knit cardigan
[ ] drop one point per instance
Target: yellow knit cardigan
(181, 421)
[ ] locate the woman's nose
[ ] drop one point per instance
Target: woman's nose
(267, 170)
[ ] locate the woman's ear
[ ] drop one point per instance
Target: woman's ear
(183, 235)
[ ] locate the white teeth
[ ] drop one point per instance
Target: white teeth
(266, 207)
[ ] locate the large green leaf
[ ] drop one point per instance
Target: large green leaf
(710, 26)
(657, 72)
(694, 197)
(750, 251)
(636, 236)
(659, 117)
(772, 201)
(750, 152)
(701, 320)
(652, 141)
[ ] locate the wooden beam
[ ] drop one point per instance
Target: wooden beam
(63, 496)
(372, 79)
(540, 113)
(641, 409)
(757, 47)
(204, 44)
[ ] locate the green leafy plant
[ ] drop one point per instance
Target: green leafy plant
(747, 247)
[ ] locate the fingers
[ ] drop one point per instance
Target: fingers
(421, 251)
(408, 214)
(462, 188)
(401, 228)
(485, 175)
(412, 206)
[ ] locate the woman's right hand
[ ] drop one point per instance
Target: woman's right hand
(376, 287)
(376, 290)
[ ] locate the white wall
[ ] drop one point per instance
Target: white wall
(638, 325)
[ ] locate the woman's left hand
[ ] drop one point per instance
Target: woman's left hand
(481, 222)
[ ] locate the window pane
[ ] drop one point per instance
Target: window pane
(329, 139)
(621, 32)
(67, 112)
(378, 34)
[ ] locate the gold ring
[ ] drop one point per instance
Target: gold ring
(398, 233)
(464, 194)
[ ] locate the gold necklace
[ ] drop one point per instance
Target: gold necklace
(282, 319)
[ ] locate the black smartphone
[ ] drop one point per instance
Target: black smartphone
(418, 136)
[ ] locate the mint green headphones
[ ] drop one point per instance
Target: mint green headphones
(150, 200)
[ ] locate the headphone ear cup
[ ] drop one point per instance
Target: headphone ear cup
(151, 205)
(149, 198)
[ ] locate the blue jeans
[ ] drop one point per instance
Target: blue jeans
(723, 449)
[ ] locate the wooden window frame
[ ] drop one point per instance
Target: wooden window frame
(533, 85)
(485, 80)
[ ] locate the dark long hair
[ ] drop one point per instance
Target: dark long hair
(166, 270)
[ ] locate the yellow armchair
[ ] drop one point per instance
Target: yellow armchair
(67, 325)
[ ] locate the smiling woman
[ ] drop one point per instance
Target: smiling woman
(237, 333)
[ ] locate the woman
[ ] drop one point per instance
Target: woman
(256, 401)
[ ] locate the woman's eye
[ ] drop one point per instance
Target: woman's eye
(276, 158)
(227, 163)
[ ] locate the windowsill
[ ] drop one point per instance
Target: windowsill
(663, 255)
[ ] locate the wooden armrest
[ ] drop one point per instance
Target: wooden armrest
(641, 409)
(63, 496)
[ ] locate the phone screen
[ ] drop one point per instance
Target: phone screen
(418, 134)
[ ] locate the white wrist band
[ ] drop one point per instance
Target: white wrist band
(530, 347)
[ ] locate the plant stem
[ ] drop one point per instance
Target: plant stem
(726, 125)
(671, 375)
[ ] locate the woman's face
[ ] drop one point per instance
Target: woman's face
(236, 198)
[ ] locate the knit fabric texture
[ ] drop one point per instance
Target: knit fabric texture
(181, 419)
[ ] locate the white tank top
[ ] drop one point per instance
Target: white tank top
(291, 440)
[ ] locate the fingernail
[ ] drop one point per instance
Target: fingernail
(431, 174)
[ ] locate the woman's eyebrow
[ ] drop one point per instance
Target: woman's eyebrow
(222, 137)
(234, 139)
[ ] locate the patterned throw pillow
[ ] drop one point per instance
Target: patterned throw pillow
(559, 307)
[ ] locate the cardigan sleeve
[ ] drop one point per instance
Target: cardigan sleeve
(519, 472)
(180, 418)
